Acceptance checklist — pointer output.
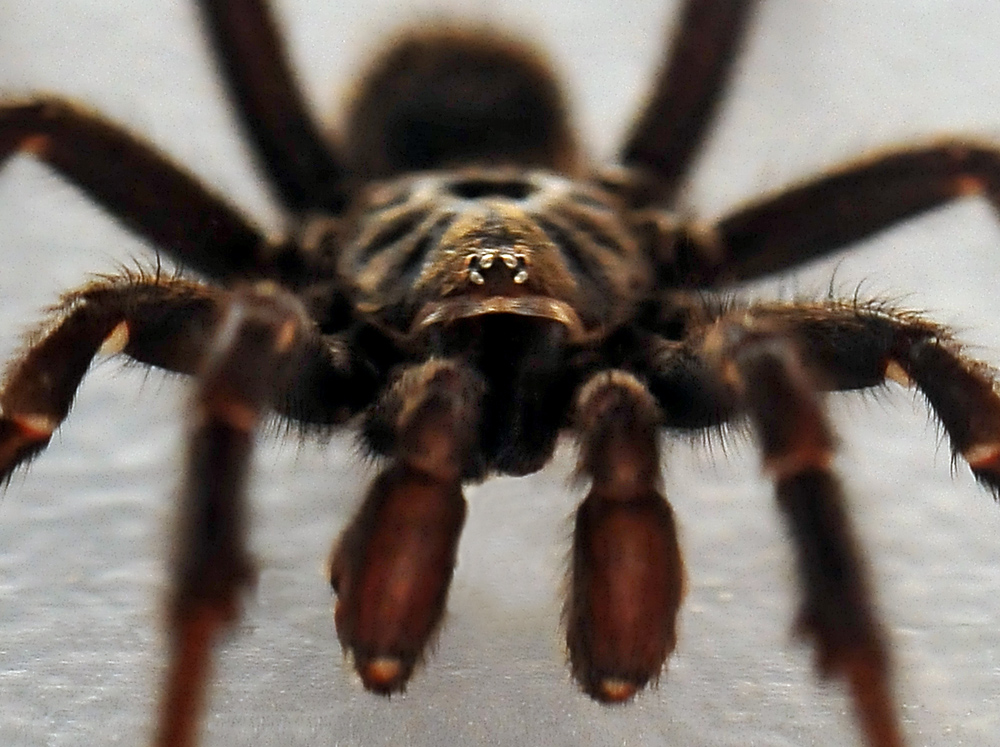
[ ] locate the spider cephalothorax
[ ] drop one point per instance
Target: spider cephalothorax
(434, 248)
(460, 283)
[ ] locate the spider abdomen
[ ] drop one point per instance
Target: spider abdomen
(445, 98)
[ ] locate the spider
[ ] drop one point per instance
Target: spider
(464, 287)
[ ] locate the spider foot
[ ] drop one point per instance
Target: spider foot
(627, 574)
(838, 615)
(627, 587)
(863, 665)
(391, 573)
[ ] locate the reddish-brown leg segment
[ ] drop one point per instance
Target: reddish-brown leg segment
(769, 360)
(837, 611)
(253, 351)
(252, 348)
(393, 565)
(627, 575)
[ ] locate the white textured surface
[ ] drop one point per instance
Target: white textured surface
(83, 535)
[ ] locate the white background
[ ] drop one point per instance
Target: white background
(85, 533)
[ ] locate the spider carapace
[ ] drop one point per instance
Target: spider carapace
(460, 283)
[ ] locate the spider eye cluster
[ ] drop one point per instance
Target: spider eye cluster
(516, 262)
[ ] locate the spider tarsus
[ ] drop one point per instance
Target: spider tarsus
(627, 585)
(874, 706)
(391, 571)
(196, 628)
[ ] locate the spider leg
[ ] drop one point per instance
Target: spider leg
(850, 346)
(627, 575)
(826, 214)
(769, 361)
(797, 443)
(668, 133)
(253, 349)
(301, 164)
(160, 322)
(167, 323)
(846, 345)
(393, 564)
(146, 191)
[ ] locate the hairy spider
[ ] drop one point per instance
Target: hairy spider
(466, 287)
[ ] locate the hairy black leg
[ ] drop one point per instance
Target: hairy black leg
(686, 95)
(627, 577)
(828, 213)
(845, 345)
(139, 185)
(162, 322)
(332, 383)
(300, 163)
(852, 345)
(837, 612)
(690, 391)
(157, 321)
(393, 564)
(253, 348)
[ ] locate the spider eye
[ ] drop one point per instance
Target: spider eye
(473, 189)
